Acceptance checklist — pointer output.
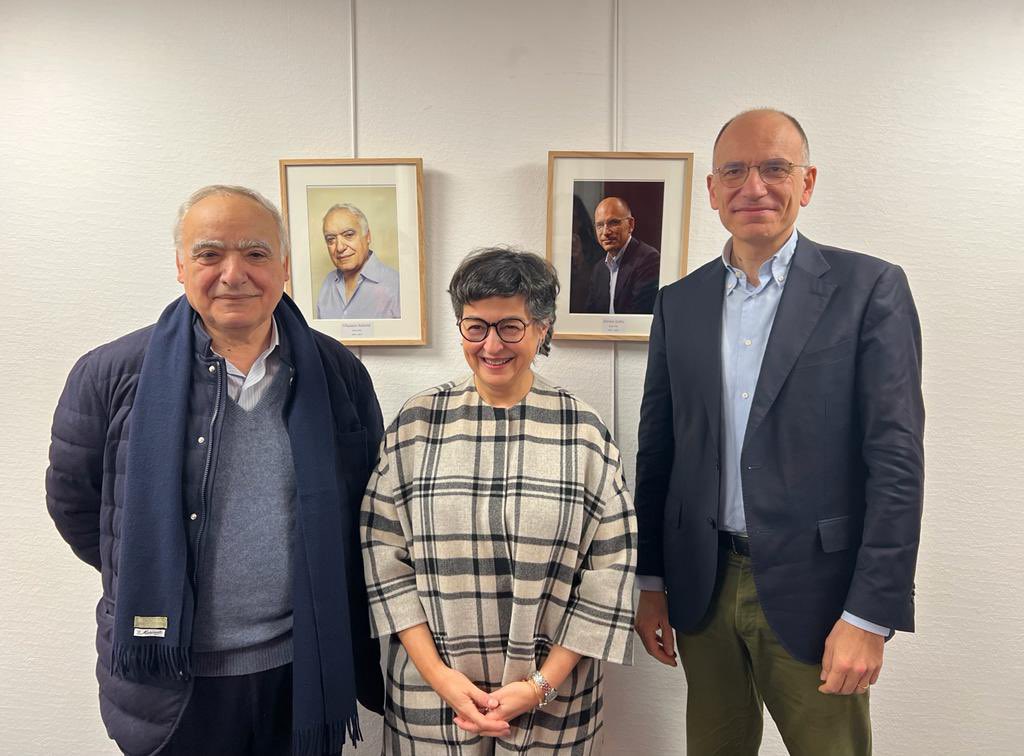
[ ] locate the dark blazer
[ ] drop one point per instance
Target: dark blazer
(636, 285)
(832, 461)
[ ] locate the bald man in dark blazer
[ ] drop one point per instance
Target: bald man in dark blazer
(780, 465)
(634, 264)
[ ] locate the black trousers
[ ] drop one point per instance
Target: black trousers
(249, 715)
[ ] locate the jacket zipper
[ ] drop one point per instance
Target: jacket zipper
(204, 501)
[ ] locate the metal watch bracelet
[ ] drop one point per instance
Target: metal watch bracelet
(547, 693)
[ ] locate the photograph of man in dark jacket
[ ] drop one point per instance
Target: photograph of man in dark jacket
(211, 467)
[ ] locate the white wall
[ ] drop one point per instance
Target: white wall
(110, 113)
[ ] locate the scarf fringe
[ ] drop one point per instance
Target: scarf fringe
(326, 738)
(144, 663)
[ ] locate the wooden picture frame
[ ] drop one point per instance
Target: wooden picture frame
(647, 194)
(364, 287)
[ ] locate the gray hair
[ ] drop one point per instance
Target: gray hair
(364, 225)
(795, 123)
(508, 272)
(226, 190)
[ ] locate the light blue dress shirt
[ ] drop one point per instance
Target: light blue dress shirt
(375, 295)
(614, 263)
(246, 389)
(748, 312)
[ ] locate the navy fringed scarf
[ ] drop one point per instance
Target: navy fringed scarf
(153, 624)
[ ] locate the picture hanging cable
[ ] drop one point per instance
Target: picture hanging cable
(352, 73)
(616, 146)
(616, 79)
(352, 97)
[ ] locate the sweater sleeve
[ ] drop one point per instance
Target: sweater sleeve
(387, 543)
(74, 478)
(598, 620)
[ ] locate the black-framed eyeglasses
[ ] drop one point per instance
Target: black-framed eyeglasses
(509, 330)
(733, 175)
(612, 223)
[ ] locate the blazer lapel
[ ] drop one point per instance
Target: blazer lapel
(803, 301)
(625, 269)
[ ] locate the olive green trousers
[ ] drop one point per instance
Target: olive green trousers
(735, 666)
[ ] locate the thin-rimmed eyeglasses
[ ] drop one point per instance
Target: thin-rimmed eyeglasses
(734, 175)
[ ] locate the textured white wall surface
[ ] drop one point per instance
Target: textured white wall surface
(111, 113)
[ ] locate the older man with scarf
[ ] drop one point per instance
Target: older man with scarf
(211, 466)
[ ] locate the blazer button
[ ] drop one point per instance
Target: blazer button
(711, 522)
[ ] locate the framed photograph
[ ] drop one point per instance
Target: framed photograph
(618, 225)
(356, 233)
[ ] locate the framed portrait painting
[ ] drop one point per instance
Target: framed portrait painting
(356, 233)
(618, 225)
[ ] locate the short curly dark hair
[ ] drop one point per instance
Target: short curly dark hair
(508, 272)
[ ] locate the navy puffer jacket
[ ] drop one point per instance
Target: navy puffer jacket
(85, 489)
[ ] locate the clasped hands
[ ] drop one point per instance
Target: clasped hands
(480, 712)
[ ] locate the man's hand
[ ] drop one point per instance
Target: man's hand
(852, 659)
(469, 703)
(653, 628)
(514, 699)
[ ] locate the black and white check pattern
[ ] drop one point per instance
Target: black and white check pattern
(505, 530)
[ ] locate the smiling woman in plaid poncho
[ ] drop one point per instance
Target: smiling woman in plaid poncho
(499, 540)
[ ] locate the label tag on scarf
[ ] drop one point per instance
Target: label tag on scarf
(150, 627)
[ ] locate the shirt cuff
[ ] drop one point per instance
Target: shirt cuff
(650, 583)
(863, 624)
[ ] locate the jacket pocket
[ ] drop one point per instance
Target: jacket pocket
(351, 452)
(834, 533)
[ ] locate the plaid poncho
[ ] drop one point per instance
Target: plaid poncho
(506, 531)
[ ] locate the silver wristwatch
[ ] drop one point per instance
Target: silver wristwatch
(547, 693)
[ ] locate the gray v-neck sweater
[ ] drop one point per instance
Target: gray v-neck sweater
(243, 620)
